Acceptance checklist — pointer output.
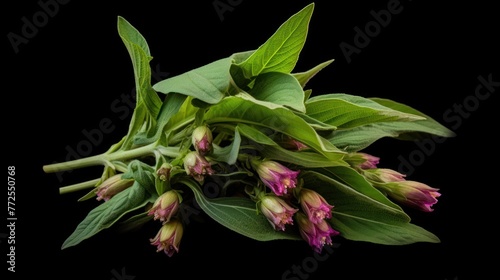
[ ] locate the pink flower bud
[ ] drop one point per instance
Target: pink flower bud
(168, 237)
(316, 234)
(202, 140)
(276, 176)
(383, 175)
(111, 186)
(314, 205)
(368, 161)
(197, 166)
(413, 194)
(165, 206)
(277, 211)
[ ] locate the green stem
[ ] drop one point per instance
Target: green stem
(79, 186)
(105, 158)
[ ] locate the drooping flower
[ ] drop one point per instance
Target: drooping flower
(111, 186)
(413, 194)
(197, 166)
(202, 140)
(165, 206)
(314, 205)
(277, 176)
(316, 234)
(169, 237)
(277, 211)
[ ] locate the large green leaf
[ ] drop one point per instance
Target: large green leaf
(281, 51)
(239, 109)
(108, 213)
(148, 102)
(347, 111)
(208, 83)
(358, 229)
(358, 138)
(240, 215)
(360, 217)
(279, 88)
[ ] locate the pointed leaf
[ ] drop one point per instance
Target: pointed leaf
(281, 51)
(147, 100)
(108, 213)
(304, 77)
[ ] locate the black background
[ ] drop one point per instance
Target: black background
(64, 80)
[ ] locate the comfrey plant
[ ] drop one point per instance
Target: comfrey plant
(293, 164)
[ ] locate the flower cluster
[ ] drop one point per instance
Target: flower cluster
(306, 206)
(394, 184)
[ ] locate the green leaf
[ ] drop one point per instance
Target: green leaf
(360, 217)
(148, 102)
(358, 229)
(238, 109)
(304, 77)
(279, 88)
(108, 213)
(209, 83)
(420, 128)
(240, 215)
(347, 111)
(142, 173)
(170, 107)
(356, 181)
(271, 150)
(228, 154)
(281, 51)
(358, 138)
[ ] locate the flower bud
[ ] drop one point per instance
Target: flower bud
(413, 194)
(197, 166)
(164, 171)
(277, 211)
(168, 237)
(165, 206)
(276, 176)
(316, 234)
(111, 186)
(314, 205)
(202, 140)
(383, 175)
(360, 160)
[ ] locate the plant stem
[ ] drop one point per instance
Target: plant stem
(104, 158)
(79, 186)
